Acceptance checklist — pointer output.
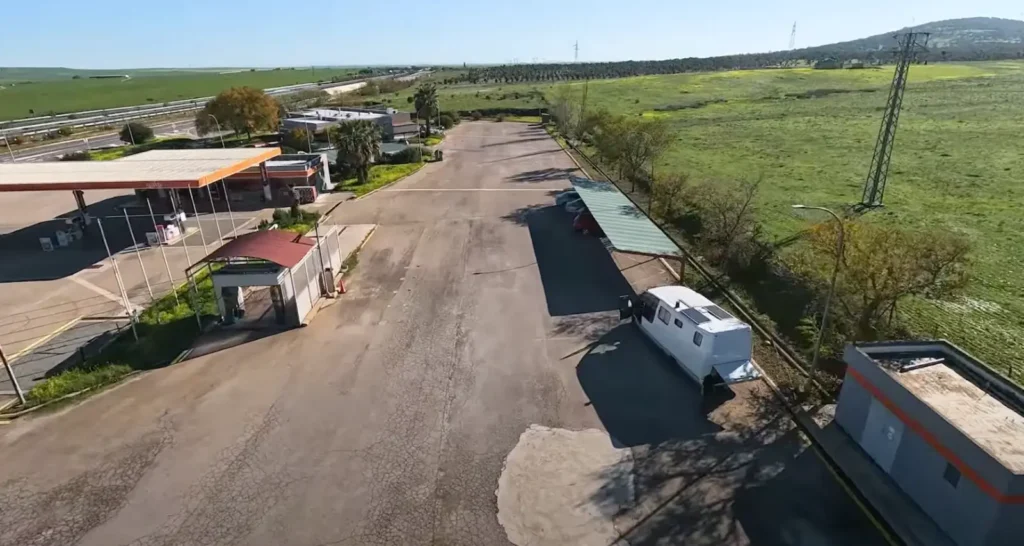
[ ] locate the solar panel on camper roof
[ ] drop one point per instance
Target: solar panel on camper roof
(717, 312)
(695, 315)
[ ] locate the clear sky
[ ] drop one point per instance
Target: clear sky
(195, 33)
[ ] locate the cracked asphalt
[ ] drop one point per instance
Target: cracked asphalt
(469, 318)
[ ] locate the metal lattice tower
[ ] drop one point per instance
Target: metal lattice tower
(874, 186)
(792, 37)
(576, 52)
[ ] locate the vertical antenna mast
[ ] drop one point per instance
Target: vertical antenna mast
(792, 37)
(874, 186)
(576, 52)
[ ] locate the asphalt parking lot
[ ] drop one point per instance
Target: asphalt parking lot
(474, 314)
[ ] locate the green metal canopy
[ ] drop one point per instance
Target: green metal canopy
(626, 226)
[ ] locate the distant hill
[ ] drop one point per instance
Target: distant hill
(974, 38)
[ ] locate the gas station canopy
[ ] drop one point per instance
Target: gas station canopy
(155, 169)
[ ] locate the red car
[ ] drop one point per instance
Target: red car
(586, 223)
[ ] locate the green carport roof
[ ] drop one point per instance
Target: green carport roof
(628, 229)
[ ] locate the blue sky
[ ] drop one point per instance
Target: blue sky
(194, 33)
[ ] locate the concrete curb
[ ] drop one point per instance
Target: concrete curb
(8, 417)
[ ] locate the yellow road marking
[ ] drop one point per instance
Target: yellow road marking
(45, 338)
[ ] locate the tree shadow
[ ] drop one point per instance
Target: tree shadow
(754, 483)
(542, 175)
(519, 141)
(577, 272)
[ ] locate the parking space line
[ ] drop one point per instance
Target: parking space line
(67, 326)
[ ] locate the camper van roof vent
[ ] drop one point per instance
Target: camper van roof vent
(695, 315)
(718, 312)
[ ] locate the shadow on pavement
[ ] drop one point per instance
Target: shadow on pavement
(576, 270)
(24, 259)
(541, 175)
(639, 394)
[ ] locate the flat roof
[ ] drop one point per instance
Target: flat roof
(155, 169)
(626, 226)
(941, 379)
(341, 114)
(708, 316)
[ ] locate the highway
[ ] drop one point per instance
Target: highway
(51, 152)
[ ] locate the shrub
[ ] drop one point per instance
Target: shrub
(76, 156)
(412, 154)
(476, 115)
(500, 117)
(65, 131)
(134, 132)
(74, 380)
(447, 121)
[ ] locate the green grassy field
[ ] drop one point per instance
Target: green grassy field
(811, 134)
(25, 98)
(955, 164)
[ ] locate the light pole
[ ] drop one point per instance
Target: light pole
(7, 140)
(219, 132)
(832, 285)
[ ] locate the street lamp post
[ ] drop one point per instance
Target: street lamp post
(7, 140)
(219, 132)
(832, 284)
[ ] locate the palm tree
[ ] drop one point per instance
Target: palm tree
(426, 102)
(358, 144)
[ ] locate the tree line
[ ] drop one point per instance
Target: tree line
(582, 71)
(881, 264)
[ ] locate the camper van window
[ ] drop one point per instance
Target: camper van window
(663, 315)
(697, 338)
(678, 323)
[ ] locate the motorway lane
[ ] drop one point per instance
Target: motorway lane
(52, 152)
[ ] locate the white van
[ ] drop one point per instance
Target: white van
(712, 346)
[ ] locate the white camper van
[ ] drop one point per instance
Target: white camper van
(708, 343)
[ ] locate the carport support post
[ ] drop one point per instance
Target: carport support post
(135, 244)
(198, 222)
(120, 283)
(11, 376)
(214, 209)
(227, 201)
(163, 252)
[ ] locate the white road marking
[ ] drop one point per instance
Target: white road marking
(100, 291)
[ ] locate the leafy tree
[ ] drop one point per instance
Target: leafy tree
(728, 221)
(565, 108)
(666, 192)
(134, 132)
(426, 102)
(882, 265)
(241, 109)
(298, 139)
(630, 144)
(358, 143)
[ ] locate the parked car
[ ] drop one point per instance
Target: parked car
(575, 207)
(586, 223)
(565, 197)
